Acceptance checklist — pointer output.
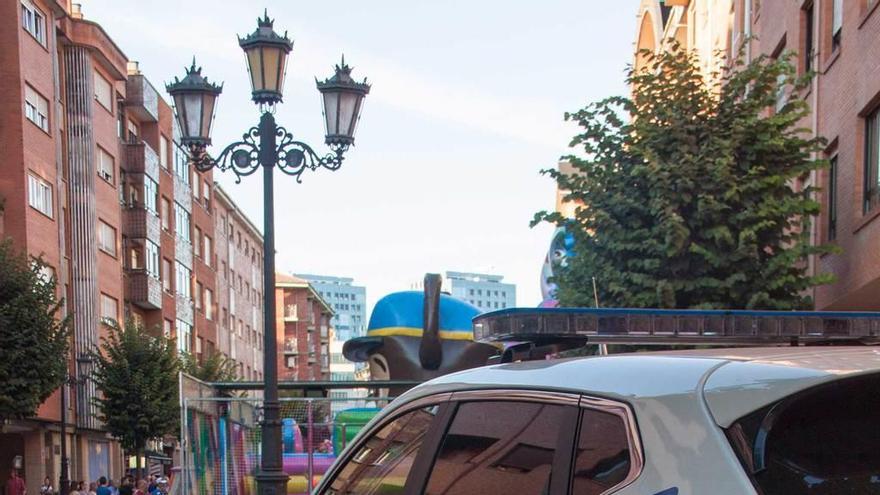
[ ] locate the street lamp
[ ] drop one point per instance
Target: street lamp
(271, 147)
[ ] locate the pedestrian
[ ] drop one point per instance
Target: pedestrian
(113, 489)
(103, 489)
(141, 487)
(77, 488)
(46, 489)
(92, 487)
(15, 485)
(125, 486)
(152, 486)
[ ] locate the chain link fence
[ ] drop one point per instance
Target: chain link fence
(220, 438)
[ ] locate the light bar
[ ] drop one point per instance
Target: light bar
(659, 326)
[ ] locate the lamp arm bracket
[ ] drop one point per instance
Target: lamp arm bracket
(294, 157)
(241, 157)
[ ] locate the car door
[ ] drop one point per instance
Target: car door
(494, 441)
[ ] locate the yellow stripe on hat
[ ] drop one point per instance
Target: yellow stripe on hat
(417, 332)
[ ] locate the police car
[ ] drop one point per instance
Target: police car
(768, 420)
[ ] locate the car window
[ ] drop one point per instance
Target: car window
(821, 442)
(497, 447)
(382, 464)
(602, 459)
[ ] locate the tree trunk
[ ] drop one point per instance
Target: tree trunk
(140, 454)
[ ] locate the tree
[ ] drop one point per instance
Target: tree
(214, 368)
(692, 192)
(33, 339)
(137, 376)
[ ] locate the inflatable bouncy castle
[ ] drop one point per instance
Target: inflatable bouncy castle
(416, 335)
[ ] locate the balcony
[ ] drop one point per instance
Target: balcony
(290, 313)
(140, 223)
(141, 159)
(290, 346)
(182, 193)
(141, 100)
(184, 309)
(144, 290)
(325, 333)
(183, 252)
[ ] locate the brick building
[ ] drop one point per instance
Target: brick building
(302, 330)
(838, 40)
(239, 265)
(94, 182)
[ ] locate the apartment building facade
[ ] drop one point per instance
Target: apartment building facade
(94, 183)
(239, 265)
(349, 303)
(303, 330)
(487, 292)
(839, 42)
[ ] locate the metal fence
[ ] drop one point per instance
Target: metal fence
(220, 439)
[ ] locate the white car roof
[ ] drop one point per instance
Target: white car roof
(734, 382)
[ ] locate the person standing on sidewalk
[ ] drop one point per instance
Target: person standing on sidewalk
(46, 488)
(15, 485)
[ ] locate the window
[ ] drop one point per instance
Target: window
(152, 251)
(510, 443)
(832, 198)
(872, 160)
(182, 280)
(33, 21)
(163, 152)
(181, 165)
(132, 132)
(106, 167)
(166, 274)
(197, 242)
(40, 195)
(109, 307)
(103, 92)
(165, 213)
(200, 289)
(822, 441)
(206, 248)
(166, 328)
(36, 108)
(602, 460)
(209, 304)
(206, 191)
(807, 52)
(151, 192)
(106, 238)
(836, 23)
(184, 335)
(181, 222)
(386, 458)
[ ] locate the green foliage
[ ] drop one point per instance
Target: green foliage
(33, 340)
(693, 202)
(214, 368)
(137, 376)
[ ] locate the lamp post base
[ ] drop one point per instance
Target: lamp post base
(271, 482)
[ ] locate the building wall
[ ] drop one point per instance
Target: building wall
(844, 91)
(66, 156)
(486, 292)
(239, 265)
(303, 330)
(349, 303)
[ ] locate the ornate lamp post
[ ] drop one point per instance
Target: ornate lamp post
(271, 147)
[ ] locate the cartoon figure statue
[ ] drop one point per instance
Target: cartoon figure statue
(419, 336)
(560, 248)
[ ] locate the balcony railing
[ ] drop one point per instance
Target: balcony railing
(290, 313)
(142, 100)
(141, 159)
(141, 223)
(290, 346)
(144, 289)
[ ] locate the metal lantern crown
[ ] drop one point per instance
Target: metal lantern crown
(194, 98)
(266, 53)
(343, 100)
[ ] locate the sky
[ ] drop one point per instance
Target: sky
(466, 108)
